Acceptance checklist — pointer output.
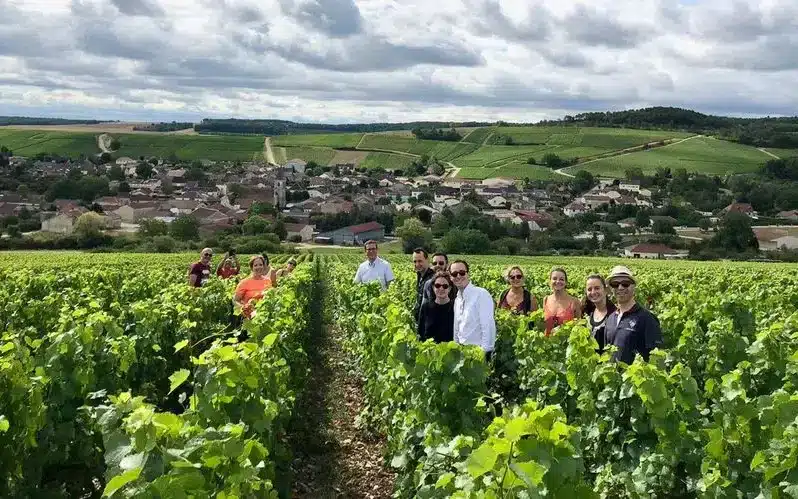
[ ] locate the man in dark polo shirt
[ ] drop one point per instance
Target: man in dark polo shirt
(200, 272)
(631, 328)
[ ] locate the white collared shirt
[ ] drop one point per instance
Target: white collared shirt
(379, 270)
(473, 318)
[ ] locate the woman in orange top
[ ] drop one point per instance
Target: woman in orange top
(251, 288)
(559, 307)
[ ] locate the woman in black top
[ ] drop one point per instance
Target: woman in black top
(517, 298)
(436, 318)
(597, 306)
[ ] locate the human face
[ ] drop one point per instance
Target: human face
(624, 289)
(227, 264)
(206, 256)
(420, 263)
(441, 287)
(371, 252)
(258, 267)
(558, 281)
(459, 275)
(439, 262)
(595, 290)
(516, 278)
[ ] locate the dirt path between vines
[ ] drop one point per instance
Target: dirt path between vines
(332, 457)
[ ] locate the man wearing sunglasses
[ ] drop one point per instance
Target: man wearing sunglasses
(473, 311)
(200, 272)
(631, 328)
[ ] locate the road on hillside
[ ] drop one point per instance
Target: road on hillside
(768, 153)
(267, 150)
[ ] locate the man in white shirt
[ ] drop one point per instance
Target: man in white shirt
(374, 268)
(473, 311)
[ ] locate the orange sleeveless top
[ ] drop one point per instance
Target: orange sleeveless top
(251, 289)
(555, 319)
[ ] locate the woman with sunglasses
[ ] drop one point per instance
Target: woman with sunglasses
(559, 307)
(436, 317)
(517, 298)
(597, 307)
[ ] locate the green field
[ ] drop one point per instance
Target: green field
(514, 169)
(387, 161)
(321, 155)
(446, 151)
(479, 135)
(784, 153)
(33, 142)
(191, 147)
(333, 140)
(494, 155)
(702, 154)
(605, 138)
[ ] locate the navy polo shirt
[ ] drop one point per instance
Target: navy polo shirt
(638, 331)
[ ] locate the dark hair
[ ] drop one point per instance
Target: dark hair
(370, 241)
(444, 275)
(463, 262)
(421, 250)
(559, 269)
(588, 306)
(265, 258)
(444, 255)
(231, 252)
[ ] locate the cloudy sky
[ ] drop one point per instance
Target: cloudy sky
(386, 60)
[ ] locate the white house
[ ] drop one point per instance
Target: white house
(629, 185)
(126, 213)
(651, 250)
(574, 209)
(786, 242)
(497, 201)
(302, 232)
(296, 165)
(404, 207)
(59, 224)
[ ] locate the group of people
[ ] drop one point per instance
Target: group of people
(449, 307)
(250, 290)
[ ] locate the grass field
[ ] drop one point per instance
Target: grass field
(333, 140)
(514, 169)
(487, 156)
(784, 153)
(605, 138)
(191, 147)
(321, 155)
(387, 161)
(33, 142)
(479, 135)
(702, 154)
(446, 151)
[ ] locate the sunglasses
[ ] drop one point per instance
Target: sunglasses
(439, 263)
(441, 286)
(207, 254)
(516, 277)
(621, 284)
(459, 273)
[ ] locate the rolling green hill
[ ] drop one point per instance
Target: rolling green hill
(699, 154)
(33, 142)
(483, 153)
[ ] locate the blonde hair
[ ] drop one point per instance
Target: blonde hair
(509, 271)
(255, 258)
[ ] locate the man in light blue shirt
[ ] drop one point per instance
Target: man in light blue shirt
(374, 268)
(473, 311)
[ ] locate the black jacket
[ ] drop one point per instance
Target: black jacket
(421, 280)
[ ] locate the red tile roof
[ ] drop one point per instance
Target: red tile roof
(366, 227)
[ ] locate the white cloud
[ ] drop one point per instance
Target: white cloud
(397, 60)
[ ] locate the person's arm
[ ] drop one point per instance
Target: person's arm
(577, 308)
(652, 336)
(238, 295)
(487, 321)
(422, 319)
(358, 275)
(534, 302)
(389, 277)
(192, 277)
